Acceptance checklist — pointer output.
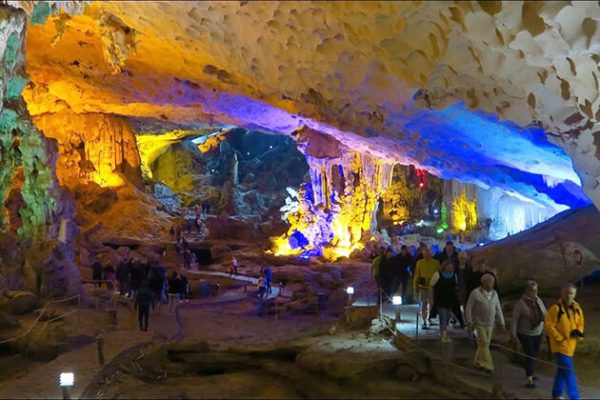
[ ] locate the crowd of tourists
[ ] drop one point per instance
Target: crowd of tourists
(146, 283)
(463, 292)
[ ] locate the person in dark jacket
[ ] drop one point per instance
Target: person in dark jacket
(143, 300)
(174, 290)
(136, 276)
(449, 252)
(445, 296)
(387, 274)
(185, 288)
(97, 273)
(123, 277)
(156, 285)
(403, 263)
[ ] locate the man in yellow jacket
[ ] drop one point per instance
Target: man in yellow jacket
(564, 327)
(424, 271)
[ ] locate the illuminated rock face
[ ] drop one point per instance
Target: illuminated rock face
(32, 205)
(406, 82)
(92, 148)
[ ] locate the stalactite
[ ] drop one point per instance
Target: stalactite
(334, 224)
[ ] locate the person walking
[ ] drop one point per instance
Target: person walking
(528, 326)
(262, 286)
(233, 270)
(185, 288)
(445, 298)
(123, 277)
(143, 300)
(403, 262)
(376, 271)
(387, 275)
(564, 324)
(156, 284)
(482, 311)
(174, 289)
(97, 273)
(268, 274)
(421, 280)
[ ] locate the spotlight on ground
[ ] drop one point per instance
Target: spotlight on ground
(349, 290)
(397, 300)
(66, 380)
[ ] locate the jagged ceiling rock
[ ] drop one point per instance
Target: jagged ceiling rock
(448, 86)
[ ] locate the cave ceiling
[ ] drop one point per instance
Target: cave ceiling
(501, 94)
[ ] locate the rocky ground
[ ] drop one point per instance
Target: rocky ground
(224, 343)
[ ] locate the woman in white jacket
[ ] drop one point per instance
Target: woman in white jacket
(482, 311)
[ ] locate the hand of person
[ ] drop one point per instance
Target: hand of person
(470, 329)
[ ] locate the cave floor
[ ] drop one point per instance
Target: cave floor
(229, 319)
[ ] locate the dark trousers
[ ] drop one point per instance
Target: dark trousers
(143, 316)
(458, 315)
(531, 347)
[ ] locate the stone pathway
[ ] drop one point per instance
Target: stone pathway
(454, 359)
(248, 279)
(41, 382)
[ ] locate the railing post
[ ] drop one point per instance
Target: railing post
(417, 326)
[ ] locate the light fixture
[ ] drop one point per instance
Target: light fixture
(350, 290)
(397, 300)
(66, 379)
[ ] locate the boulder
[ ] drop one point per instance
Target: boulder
(19, 303)
(45, 345)
(350, 360)
(560, 249)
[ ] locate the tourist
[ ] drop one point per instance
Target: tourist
(482, 312)
(156, 285)
(197, 212)
(109, 276)
(187, 259)
(205, 207)
(97, 273)
(144, 298)
(448, 253)
(136, 276)
(528, 325)
(123, 277)
(387, 274)
(261, 283)
(376, 271)
(185, 288)
(403, 262)
(161, 272)
(174, 290)
(419, 253)
(564, 326)
(234, 267)
(265, 270)
(445, 299)
(178, 233)
(422, 277)
(463, 271)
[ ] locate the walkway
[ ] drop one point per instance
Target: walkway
(243, 278)
(454, 360)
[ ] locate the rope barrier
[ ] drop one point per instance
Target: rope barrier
(42, 310)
